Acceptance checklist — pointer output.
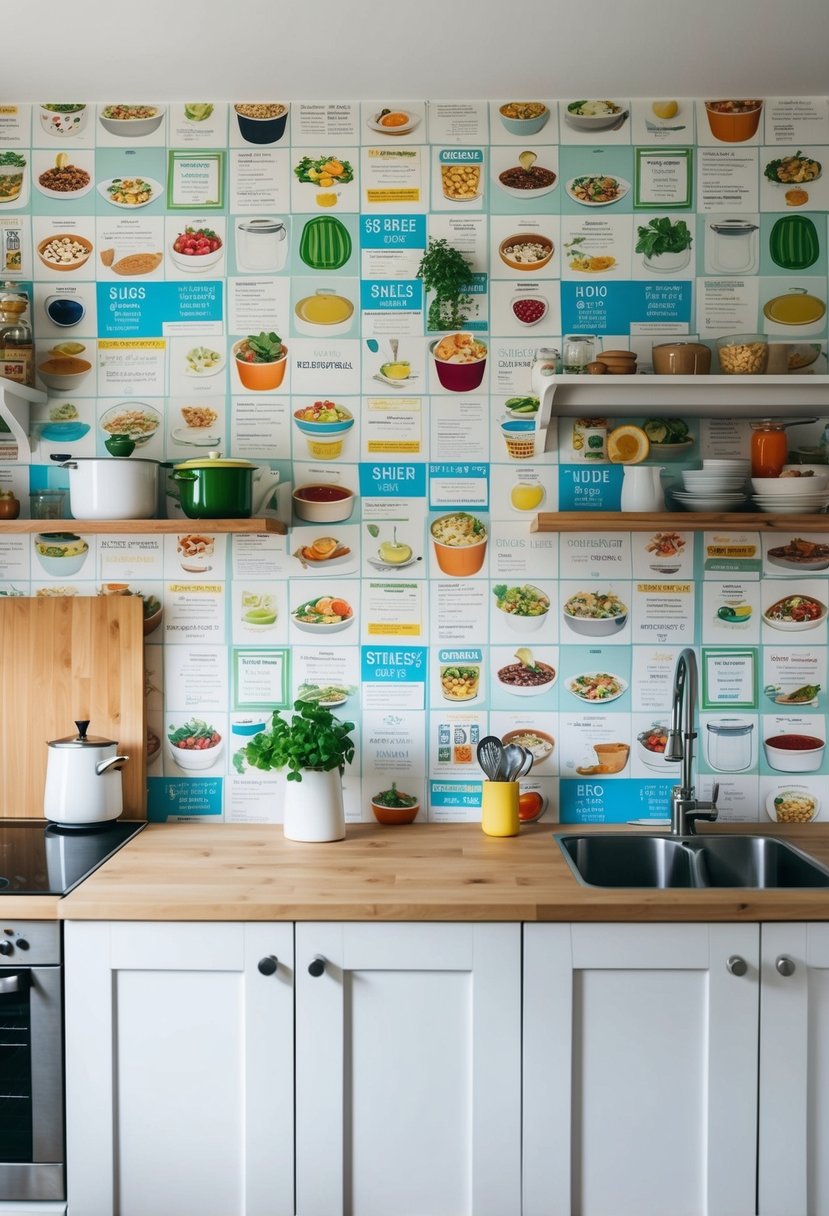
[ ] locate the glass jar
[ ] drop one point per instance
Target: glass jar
(17, 353)
(578, 350)
(769, 448)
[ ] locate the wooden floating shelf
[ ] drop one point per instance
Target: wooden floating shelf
(142, 526)
(686, 521)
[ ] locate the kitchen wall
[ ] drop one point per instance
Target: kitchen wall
(651, 222)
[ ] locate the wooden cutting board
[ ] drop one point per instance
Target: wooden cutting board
(62, 659)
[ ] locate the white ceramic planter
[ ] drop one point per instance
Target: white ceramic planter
(314, 807)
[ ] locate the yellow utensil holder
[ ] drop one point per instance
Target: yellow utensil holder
(499, 808)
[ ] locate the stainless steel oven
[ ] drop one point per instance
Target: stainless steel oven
(31, 1061)
(38, 859)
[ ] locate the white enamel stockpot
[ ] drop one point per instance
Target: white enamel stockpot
(112, 487)
(83, 779)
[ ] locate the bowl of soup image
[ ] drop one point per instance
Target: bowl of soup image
(320, 503)
(325, 312)
(794, 753)
(733, 121)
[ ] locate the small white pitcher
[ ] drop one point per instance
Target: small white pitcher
(642, 488)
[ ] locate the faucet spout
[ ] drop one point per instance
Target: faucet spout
(686, 808)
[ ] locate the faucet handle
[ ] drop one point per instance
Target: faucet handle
(715, 793)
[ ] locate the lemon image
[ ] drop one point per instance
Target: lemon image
(665, 109)
(628, 445)
(525, 497)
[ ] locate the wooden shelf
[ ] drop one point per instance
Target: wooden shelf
(686, 521)
(143, 526)
(672, 396)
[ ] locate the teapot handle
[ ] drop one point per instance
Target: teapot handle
(113, 762)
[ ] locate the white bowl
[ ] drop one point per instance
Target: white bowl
(541, 751)
(821, 470)
(529, 324)
(411, 122)
(196, 758)
(593, 122)
(704, 484)
(197, 264)
(323, 512)
(134, 418)
(322, 627)
(795, 793)
(721, 465)
(64, 383)
(527, 624)
(790, 487)
(63, 125)
(789, 760)
(595, 674)
(795, 626)
(596, 627)
(62, 567)
(655, 760)
(128, 128)
(527, 690)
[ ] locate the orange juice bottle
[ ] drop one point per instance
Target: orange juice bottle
(769, 448)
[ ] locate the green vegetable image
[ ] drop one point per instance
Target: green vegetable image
(663, 235)
(198, 111)
(325, 243)
(794, 242)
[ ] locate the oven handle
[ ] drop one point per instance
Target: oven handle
(20, 982)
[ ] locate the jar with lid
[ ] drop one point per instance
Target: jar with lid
(16, 345)
(578, 350)
(769, 448)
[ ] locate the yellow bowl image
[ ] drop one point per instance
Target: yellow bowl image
(322, 449)
(324, 312)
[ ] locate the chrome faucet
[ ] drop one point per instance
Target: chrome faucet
(686, 808)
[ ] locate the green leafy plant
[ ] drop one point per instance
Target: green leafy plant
(261, 348)
(663, 235)
(446, 273)
(14, 159)
(313, 738)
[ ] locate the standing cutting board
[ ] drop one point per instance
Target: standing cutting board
(62, 659)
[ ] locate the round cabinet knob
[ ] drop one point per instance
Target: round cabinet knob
(22, 944)
(785, 965)
(268, 964)
(737, 965)
(316, 967)
(6, 948)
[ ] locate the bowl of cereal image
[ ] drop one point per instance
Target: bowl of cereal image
(261, 122)
(792, 804)
(133, 418)
(460, 361)
(460, 542)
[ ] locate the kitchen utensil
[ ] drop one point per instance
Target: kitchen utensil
(512, 762)
(213, 488)
(112, 487)
(490, 754)
(83, 779)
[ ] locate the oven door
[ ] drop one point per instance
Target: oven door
(31, 1084)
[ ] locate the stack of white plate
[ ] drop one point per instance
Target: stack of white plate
(791, 495)
(717, 486)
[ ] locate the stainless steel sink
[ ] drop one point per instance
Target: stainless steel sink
(616, 860)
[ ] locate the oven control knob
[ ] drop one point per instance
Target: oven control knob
(22, 944)
(6, 948)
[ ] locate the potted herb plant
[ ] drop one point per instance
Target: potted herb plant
(445, 273)
(314, 746)
(261, 360)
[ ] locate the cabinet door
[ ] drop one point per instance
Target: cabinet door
(794, 1070)
(640, 1070)
(408, 1070)
(179, 1069)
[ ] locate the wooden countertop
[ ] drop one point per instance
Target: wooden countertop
(235, 872)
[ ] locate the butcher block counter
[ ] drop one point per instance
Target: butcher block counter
(429, 872)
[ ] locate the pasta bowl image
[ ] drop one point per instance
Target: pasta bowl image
(595, 614)
(460, 543)
(133, 418)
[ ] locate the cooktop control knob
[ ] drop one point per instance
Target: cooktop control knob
(6, 948)
(22, 944)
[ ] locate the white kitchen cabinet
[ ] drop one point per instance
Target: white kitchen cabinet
(408, 1068)
(793, 1177)
(179, 1069)
(640, 1070)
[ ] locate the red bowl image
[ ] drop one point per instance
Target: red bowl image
(459, 377)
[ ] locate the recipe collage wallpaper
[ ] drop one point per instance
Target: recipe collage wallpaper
(396, 434)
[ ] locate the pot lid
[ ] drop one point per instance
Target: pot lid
(214, 461)
(734, 227)
(731, 726)
(71, 461)
(261, 225)
(82, 739)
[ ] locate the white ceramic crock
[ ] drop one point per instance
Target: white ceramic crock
(112, 487)
(314, 807)
(83, 779)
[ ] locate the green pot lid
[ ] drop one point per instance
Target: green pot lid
(214, 461)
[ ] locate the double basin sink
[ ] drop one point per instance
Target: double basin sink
(671, 862)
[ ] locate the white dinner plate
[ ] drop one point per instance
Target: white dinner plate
(624, 187)
(196, 437)
(157, 192)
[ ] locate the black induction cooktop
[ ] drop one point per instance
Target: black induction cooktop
(38, 858)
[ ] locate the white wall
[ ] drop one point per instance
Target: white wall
(399, 49)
